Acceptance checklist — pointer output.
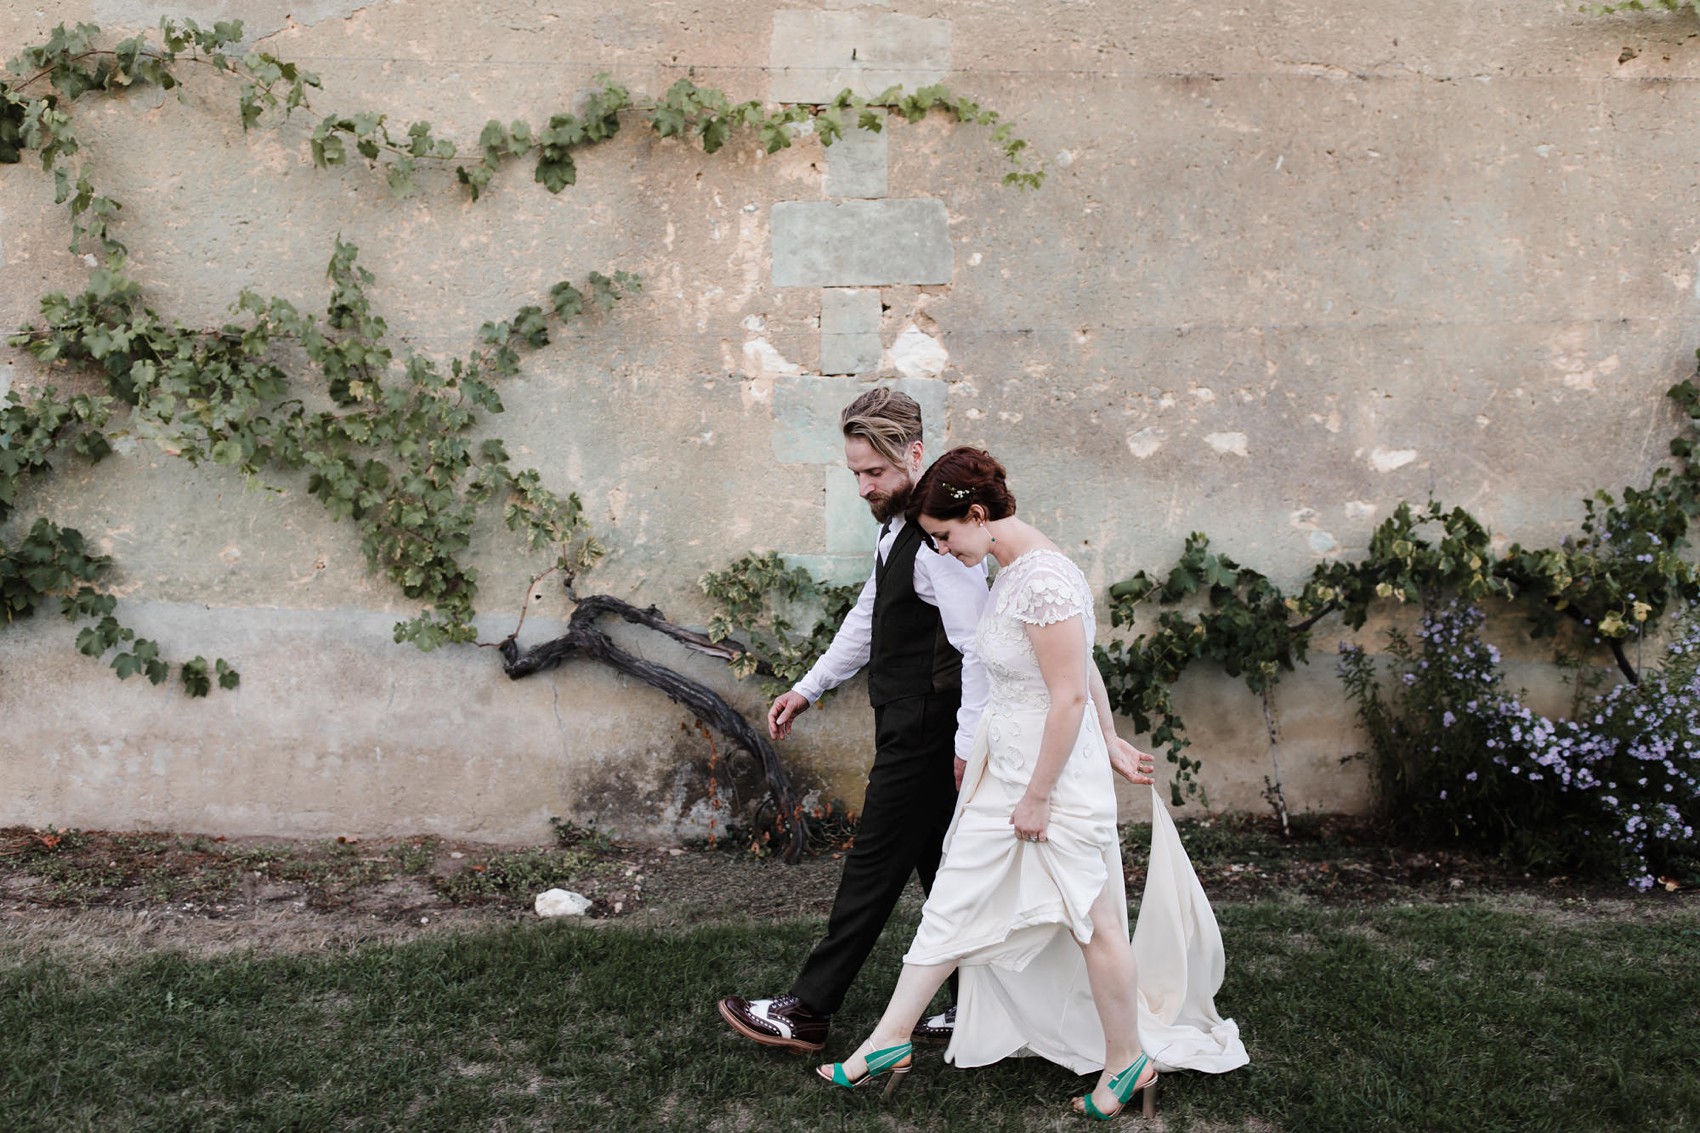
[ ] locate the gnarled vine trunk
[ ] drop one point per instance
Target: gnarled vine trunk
(584, 639)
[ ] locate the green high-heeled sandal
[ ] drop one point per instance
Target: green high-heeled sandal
(894, 1060)
(1124, 1086)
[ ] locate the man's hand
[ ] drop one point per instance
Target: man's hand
(1130, 763)
(786, 709)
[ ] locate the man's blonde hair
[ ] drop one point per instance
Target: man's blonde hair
(888, 420)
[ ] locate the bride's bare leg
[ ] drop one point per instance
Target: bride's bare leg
(1113, 976)
(915, 989)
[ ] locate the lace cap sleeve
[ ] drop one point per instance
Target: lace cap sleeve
(1046, 596)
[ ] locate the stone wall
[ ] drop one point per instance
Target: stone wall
(1293, 263)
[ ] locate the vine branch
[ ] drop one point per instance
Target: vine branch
(582, 638)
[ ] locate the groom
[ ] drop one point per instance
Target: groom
(913, 628)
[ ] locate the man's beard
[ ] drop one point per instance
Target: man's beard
(893, 505)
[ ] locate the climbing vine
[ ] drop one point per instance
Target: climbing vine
(1612, 584)
(1609, 586)
(388, 439)
(394, 454)
(757, 597)
(1643, 6)
(685, 110)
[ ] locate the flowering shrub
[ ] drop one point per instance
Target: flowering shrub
(1457, 756)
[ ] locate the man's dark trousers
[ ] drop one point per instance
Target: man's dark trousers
(905, 813)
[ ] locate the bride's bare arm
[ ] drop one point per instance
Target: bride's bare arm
(1101, 702)
(1125, 760)
(1060, 649)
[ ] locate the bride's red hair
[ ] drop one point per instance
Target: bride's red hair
(957, 481)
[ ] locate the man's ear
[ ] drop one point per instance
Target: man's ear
(915, 455)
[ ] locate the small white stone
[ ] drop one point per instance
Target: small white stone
(561, 903)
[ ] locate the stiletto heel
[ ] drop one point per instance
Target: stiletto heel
(1124, 1086)
(895, 1060)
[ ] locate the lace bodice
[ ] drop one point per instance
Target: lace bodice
(1041, 588)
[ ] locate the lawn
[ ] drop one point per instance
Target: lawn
(1507, 1011)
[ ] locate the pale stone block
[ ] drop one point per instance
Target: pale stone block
(806, 411)
(856, 164)
(861, 243)
(815, 55)
(849, 331)
(805, 418)
(850, 526)
(850, 353)
(838, 570)
(850, 310)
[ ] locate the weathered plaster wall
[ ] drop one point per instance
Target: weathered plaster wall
(1294, 262)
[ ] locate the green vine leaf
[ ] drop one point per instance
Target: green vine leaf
(756, 598)
(1615, 581)
(1641, 6)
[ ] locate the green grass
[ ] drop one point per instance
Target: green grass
(1519, 1014)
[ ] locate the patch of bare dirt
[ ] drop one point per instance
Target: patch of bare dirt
(119, 892)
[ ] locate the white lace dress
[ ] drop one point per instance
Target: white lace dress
(1010, 912)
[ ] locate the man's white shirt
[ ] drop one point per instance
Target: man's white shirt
(958, 592)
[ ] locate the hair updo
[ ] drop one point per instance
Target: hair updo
(957, 481)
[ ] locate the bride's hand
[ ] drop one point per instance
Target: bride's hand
(1130, 763)
(1031, 817)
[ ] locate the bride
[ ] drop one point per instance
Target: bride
(1029, 902)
